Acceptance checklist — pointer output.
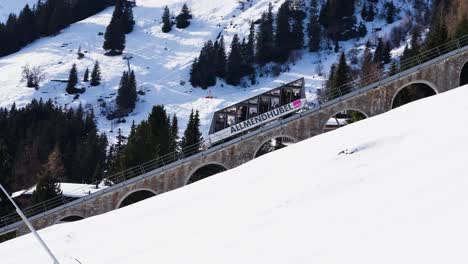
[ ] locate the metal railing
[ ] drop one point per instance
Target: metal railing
(330, 97)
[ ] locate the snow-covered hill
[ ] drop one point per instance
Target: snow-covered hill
(400, 197)
(162, 61)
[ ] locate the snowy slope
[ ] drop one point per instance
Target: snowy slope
(162, 61)
(399, 198)
(13, 6)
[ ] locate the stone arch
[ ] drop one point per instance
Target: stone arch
(464, 74)
(135, 196)
(417, 89)
(285, 138)
(70, 218)
(363, 113)
(204, 171)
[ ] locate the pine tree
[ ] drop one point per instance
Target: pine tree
(343, 75)
(96, 75)
(72, 80)
(249, 54)
(313, 28)
(438, 32)
(368, 68)
(86, 75)
(192, 139)
(370, 13)
(166, 19)
(114, 38)
(265, 38)
(128, 21)
(203, 74)
(220, 58)
(462, 28)
(127, 93)
(298, 15)
(234, 63)
(390, 12)
(174, 134)
(364, 14)
(393, 69)
(182, 20)
(379, 52)
(47, 187)
(283, 40)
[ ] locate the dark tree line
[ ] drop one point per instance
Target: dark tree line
(156, 138)
(46, 18)
(46, 144)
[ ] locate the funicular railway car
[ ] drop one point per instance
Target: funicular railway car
(257, 111)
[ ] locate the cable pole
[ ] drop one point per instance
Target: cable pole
(30, 226)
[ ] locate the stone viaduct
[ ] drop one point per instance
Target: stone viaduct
(438, 75)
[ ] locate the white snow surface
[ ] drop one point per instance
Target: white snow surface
(397, 195)
(161, 61)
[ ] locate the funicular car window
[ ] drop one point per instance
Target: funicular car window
(296, 94)
(220, 122)
(231, 120)
(253, 111)
(264, 104)
(241, 113)
(275, 102)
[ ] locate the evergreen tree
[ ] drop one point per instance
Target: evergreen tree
(393, 69)
(203, 74)
(47, 187)
(249, 52)
(265, 38)
(192, 139)
(368, 68)
(234, 63)
(174, 134)
(114, 38)
(166, 19)
(314, 30)
(86, 75)
(72, 80)
(337, 17)
(182, 20)
(60, 16)
(390, 12)
(127, 94)
(364, 14)
(283, 40)
(220, 58)
(96, 75)
(379, 52)
(370, 13)
(462, 28)
(438, 32)
(343, 75)
(298, 15)
(128, 21)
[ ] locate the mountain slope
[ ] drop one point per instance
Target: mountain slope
(400, 197)
(162, 61)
